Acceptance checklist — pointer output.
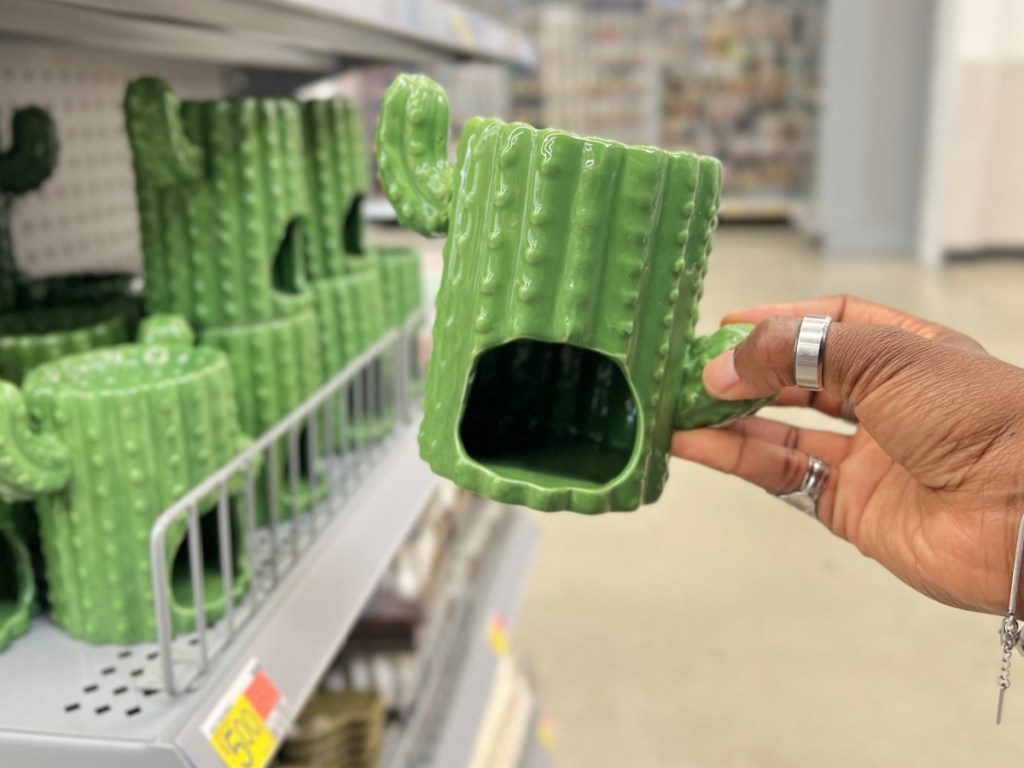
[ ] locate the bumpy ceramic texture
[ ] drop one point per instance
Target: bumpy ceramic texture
(17, 582)
(279, 361)
(556, 238)
(337, 176)
(115, 436)
(27, 164)
(401, 277)
(350, 317)
(222, 205)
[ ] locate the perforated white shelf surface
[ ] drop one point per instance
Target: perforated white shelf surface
(84, 217)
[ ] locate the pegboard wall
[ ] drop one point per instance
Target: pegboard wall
(84, 218)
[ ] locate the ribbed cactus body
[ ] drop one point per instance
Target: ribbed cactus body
(31, 337)
(401, 280)
(350, 317)
(142, 425)
(337, 174)
(222, 205)
(17, 582)
(276, 365)
(581, 242)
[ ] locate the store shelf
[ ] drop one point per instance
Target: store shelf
(313, 35)
(444, 727)
(70, 703)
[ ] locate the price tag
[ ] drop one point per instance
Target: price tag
(497, 635)
(247, 723)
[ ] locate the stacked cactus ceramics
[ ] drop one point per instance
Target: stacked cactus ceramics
(41, 320)
(354, 292)
(564, 347)
(223, 209)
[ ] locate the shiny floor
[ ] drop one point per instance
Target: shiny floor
(719, 628)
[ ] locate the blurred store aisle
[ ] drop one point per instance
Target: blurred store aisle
(719, 628)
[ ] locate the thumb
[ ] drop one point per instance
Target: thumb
(857, 360)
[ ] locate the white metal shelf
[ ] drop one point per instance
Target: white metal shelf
(123, 718)
(273, 34)
(444, 727)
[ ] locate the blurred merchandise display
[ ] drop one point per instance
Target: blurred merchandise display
(737, 81)
(740, 83)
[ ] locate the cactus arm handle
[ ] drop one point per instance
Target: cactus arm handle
(164, 154)
(412, 153)
(31, 463)
(33, 153)
(695, 407)
(166, 330)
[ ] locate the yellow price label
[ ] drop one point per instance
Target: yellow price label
(498, 637)
(241, 738)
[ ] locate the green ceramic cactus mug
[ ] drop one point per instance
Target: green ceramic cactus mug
(565, 350)
(103, 442)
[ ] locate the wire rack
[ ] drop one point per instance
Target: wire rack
(345, 426)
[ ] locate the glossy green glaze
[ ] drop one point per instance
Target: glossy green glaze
(26, 165)
(115, 436)
(401, 278)
(17, 582)
(222, 205)
(350, 318)
(337, 174)
(568, 303)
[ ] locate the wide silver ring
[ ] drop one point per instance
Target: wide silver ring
(809, 351)
(811, 487)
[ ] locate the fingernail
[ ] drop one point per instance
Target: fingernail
(720, 374)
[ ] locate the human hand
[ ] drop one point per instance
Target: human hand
(931, 484)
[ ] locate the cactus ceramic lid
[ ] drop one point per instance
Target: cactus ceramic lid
(123, 369)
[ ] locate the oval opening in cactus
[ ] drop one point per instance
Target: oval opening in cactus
(10, 586)
(286, 267)
(213, 584)
(352, 229)
(549, 414)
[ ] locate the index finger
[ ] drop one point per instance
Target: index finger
(850, 309)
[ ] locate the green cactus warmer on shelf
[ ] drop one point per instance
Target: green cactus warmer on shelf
(104, 442)
(564, 345)
(222, 205)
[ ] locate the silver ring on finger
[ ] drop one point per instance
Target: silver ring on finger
(809, 351)
(806, 497)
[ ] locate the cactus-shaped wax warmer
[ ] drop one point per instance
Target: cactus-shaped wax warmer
(25, 166)
(564, 346)
(222, 205)
(105, 441)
